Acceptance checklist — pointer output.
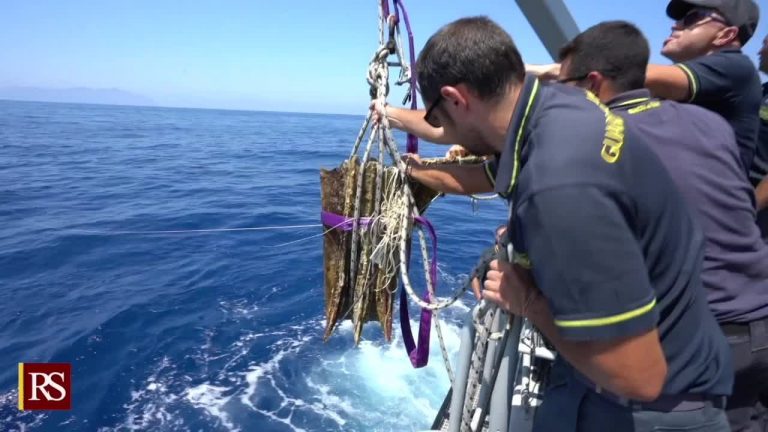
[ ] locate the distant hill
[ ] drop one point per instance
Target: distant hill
(75, 95)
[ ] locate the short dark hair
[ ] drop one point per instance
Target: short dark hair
(616, 49)
(475, 51)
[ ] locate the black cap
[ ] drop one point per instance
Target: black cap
(743, 14)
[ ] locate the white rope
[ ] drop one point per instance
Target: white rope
(443, 348)
(405, 226)
(392, 220)
(405, 67)
(482, 319)
(378, 75)
(361, 134)
(193, 231)
(303, 239)
(387, 226)
(358, 197)
(382, 18)
(436, 314)
(108, 233)
(398, 207)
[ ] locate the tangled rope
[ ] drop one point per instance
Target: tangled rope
(385, 226)
(482, 319)
(383, 219)
(395, 208)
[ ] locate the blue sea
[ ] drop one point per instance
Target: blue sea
(198, 331)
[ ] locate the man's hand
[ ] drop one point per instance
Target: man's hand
(547, 72)
(379, 109)
(456, 151)
(448, 178)
(761, 194)
(476, 288)
(411, 161)
(411, 158)
(510, 286)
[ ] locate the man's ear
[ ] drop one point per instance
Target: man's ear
(458, 96)
(726, 36)
(595, 80)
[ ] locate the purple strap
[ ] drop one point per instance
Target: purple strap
(340, 222)
(418, 353)
(385, 7)
(412, 145)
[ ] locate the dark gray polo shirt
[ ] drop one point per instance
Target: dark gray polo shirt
(700, 152)
(760, 163)
(611, 243)
(727, 83)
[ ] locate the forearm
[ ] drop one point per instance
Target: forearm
(452, 179)
(412, 121)
(608, 365)
(668, 82)
(544, 72)
(761, 194)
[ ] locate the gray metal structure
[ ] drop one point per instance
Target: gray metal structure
(552, 22)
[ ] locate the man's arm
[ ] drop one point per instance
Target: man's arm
(545, 72)
(632, 366)
(668, 82)
(600, 307)
(452, 179)
(714, 77)
(412, 122)
(761, 194)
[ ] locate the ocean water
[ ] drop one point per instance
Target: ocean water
(203, 331)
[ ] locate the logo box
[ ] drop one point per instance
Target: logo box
(45, 386)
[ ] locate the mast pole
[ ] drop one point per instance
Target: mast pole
(552, 22)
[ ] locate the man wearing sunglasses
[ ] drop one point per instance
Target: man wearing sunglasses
(606, 267)
(610, 60)
(710, 70)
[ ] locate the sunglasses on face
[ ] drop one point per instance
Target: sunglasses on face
(697, 16)
(428, 116)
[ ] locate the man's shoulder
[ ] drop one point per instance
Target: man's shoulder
(566, 98)
(567, 122)
(731, 55)
(705, 137)
(730, 63)
(689, 114)
(566, 112)
(732, 58)
(578, 140)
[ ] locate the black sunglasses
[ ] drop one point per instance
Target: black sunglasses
(571, 79)
(428, 115)
(696, 16)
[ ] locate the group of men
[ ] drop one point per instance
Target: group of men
(634, 192)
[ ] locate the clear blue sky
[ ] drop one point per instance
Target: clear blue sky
(292, 55)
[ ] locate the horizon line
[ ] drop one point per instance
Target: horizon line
(180, 107)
